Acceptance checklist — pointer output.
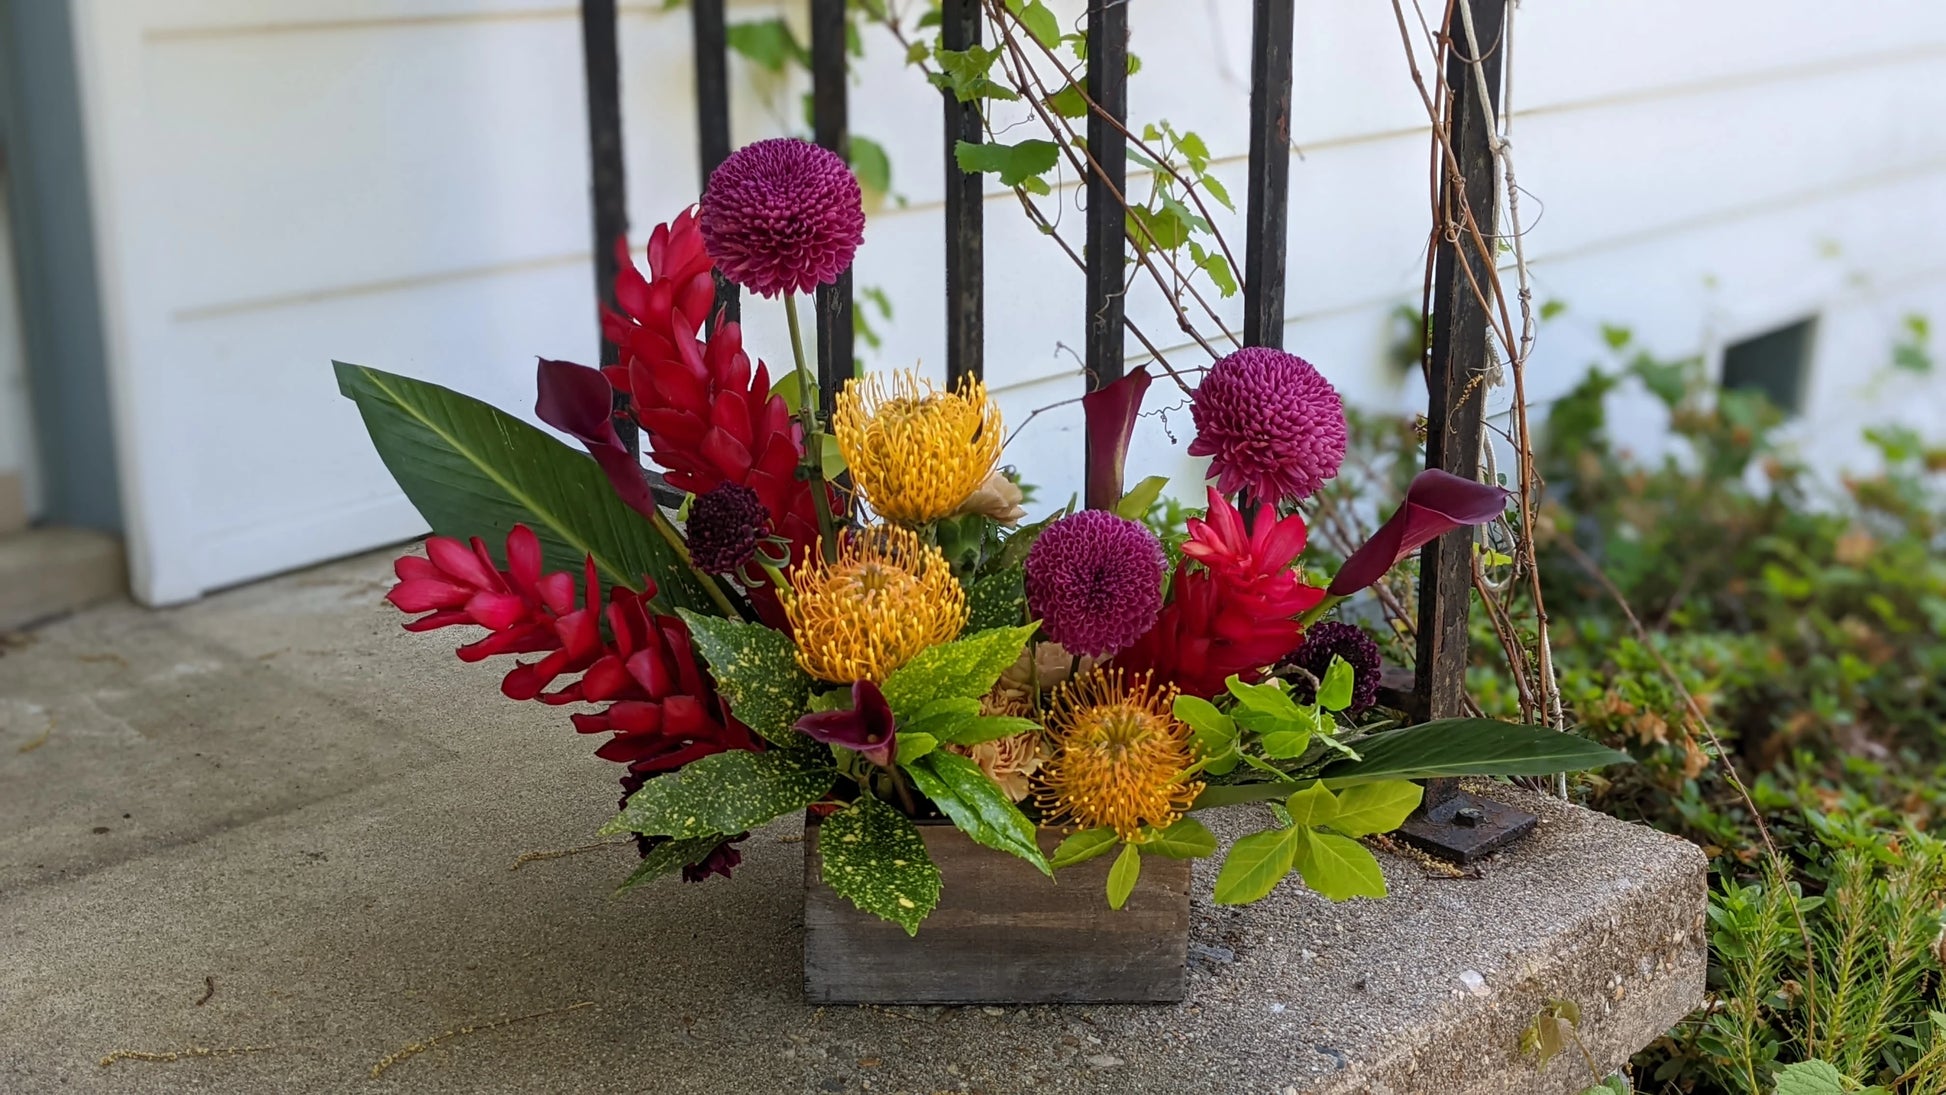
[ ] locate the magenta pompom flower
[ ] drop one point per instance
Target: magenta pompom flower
(782, 216)
(1095, 582)
(1270, 423)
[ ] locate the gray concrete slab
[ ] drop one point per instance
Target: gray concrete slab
(279, 792)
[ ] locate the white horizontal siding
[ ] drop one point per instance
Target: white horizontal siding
(404, 183)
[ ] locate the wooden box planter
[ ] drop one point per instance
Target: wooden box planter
(1003, 933)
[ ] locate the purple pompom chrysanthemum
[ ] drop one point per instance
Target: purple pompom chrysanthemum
(1095, 582)
(725, 523)
(1271, 424)
(1333, 639)
(782, 216)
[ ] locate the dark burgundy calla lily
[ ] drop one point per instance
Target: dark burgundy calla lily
(865, 729)
(580, 402)
(1110, 416)
(1437, 502)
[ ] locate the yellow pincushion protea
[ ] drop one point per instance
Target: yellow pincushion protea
(1119, 756)
(915, 452)
(887, 596)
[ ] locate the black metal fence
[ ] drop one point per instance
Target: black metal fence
(1459, 353)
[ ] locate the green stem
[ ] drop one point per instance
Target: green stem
(807, 413)
(668, 532)
(1318, 610)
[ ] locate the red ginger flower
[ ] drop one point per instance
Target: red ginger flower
(663, 709)
(1236, 612)
(709, 417)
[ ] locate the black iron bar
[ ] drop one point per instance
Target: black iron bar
(602, 62)
(713, 113)
(1451, 823)
(830, 127)
(1268, 209)
(959, 29)
(1107, 37)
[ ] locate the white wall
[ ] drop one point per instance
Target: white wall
(18, 486)
(403, 183)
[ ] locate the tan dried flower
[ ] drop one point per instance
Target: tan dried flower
(1009, 762)
(997, 497)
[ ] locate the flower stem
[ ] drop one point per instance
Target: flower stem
(1317, 611)
(668, 532)
(807, 413)
(905, 794)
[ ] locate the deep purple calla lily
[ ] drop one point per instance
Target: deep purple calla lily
(1110, 414)
(865, 729)
(1437, 502)
(580, 402)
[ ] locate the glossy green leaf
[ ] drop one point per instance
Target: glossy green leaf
(1122, 875)
(914, 746)
(756, 670)
(981, 728)
(977, 805)
(668, 857)
(1186, 839)
(874, 856)
(1135, 504)
(1367, 808)
(1256, 864)
(1213, 733)
(1082, 846)
(1469, 747)
(967, 667)
(1334, 692)
(1314, 805)
(1338, 867)
(474, 470)
(725, 793)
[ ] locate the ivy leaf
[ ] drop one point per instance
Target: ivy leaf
(1338, 867)
(756, 671)
(667, 858)
(1039, 21)
(1222, 195)
(1334, 692)
(1375, 807)
(1186, 839)
(1068, 102)
(977, 805)
(967, 667)
(870, 163)
(1135, 504)
(768, 43)
(1014, 163)
(1122, 875)
(874, 856)
(1214, 264)
(964, 73)
(1314, 805)
(1082, 846)
(1149, 229)
(725, 793)
(1256, 864)
(997, 600)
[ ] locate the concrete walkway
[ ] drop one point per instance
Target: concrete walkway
(278, 794)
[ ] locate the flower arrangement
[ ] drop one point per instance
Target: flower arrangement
(868, 629)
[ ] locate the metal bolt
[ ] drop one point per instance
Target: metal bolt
(1469, 816)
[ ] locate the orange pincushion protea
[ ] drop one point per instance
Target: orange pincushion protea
(1119, 756)
(887, 596)
(916, 453)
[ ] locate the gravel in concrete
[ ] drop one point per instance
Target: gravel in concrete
(276, 793)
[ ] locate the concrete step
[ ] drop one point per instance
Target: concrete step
(45, 572)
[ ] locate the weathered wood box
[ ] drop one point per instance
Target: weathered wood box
(1003, 933)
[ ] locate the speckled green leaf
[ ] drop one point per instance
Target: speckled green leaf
(1338, 867)
(1122, 875)
(977, 805)
(726, 793)
(669, 857)
(938, 716)
(874, 856)
(997, 600)
(981, 728)
(1083, 846)
(915, 745)
(755, 668)
(1369, 808)
(967, 667)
